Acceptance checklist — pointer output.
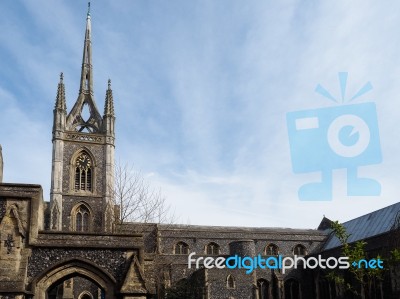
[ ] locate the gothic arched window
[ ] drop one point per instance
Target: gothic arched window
(181, 248)
(212, 249)
(299, 250)
(230, 282)
(83, 173)
(263, 289)
(271, 249)
(82, 219)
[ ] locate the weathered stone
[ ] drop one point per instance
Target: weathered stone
(67, 249)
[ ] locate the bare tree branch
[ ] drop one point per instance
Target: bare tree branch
(137, 200)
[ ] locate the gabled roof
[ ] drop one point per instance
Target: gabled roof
(369, 225)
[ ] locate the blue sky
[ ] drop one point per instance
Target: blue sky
(201, 92)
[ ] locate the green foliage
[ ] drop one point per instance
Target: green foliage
(340, 232)
(354, 252)
(395, 255)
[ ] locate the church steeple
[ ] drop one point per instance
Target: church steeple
(83, 155)
(87, 70)
(75, 120)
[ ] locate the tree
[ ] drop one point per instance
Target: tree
(146, 208)
(355, 252)
(395, 255)
(137, 201)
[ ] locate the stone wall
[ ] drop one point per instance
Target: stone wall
(18, 227)
(112, 261)
(231, 241)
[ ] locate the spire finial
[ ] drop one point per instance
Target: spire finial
(109, 104)
(86, 72)
(60, 99)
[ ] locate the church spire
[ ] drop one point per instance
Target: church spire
(90, 121)
(87, 71)
(60, 99)
(60, 109)
(109, 104)
(109, 116)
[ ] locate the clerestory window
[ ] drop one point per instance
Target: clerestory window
(299, 250)
(181, 248)
(212, 249)
(271, 250)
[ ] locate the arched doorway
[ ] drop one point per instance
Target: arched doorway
(78, 279)
(75, 287)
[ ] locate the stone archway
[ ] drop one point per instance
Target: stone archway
(85, 295)
(71, 268)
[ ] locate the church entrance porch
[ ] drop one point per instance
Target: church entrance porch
(75, 279)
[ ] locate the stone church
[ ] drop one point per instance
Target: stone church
(69, 248)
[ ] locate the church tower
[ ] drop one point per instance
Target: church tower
(83, 155)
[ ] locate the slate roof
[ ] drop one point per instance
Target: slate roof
(129, 226)
(369, 225)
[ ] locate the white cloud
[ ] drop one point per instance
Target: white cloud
(201, 93)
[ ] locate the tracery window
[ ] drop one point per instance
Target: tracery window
(212, 249)
(181, 248)
(271, 249)
(299, 250)
(82, 219)
(263, 289)
(83, 173)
